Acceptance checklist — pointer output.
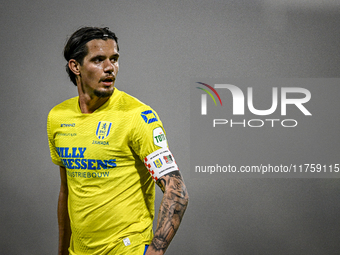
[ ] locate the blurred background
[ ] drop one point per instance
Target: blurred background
(164, 45)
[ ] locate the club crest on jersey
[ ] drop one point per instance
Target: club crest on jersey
(103, 129)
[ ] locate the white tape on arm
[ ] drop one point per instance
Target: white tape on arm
(160, 162)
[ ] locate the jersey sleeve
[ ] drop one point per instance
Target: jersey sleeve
(51, 134)
(148, 140)
(147, 133)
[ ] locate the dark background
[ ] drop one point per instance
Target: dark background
(163, 45)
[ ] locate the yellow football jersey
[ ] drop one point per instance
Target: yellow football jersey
(111, 192)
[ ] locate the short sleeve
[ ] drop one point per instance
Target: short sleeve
(50, 133)
(147, 132)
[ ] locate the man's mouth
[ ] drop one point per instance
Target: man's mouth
(108, 80)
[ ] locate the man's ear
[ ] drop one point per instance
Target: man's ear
(74, 66)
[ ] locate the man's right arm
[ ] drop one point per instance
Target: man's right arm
(63, 217)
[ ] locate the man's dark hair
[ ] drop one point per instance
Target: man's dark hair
(76, 48)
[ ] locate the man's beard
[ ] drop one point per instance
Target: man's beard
(105, 93)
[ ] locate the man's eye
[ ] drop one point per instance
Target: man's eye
(97, 60)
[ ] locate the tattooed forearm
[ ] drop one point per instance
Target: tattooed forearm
(173, 206)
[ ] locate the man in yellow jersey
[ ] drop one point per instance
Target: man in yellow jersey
(111, 150)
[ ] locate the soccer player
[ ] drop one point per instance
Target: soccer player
(111, 150)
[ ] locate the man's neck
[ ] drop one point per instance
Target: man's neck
(89, 105)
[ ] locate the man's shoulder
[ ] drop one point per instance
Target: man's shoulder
(131, 103)
(67, 105)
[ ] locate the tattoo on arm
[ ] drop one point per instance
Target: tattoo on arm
(172, 208)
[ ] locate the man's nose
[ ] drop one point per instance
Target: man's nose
(108, 66)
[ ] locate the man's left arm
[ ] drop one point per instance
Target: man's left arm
(172, 208)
